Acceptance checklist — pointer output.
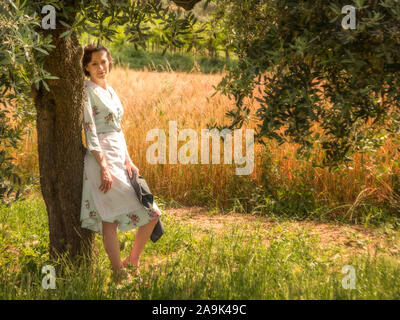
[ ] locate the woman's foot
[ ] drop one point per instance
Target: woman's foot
(122, 275)
(129, 265)
(134, 269)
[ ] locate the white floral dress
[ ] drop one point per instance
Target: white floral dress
(102, 126)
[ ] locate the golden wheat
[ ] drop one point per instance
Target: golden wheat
(152, 99)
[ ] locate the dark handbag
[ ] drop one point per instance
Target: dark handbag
(146, 199)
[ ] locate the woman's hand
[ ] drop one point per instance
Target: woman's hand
(130, 167)
(106, 179)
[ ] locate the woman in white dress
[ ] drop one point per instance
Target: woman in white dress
(109, 201)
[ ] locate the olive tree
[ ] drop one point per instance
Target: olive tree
(311, 66)
(41, 67)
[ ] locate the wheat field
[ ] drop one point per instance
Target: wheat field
(152, 99)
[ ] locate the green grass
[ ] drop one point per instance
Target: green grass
(184, 62)
(193, 263)
(297, 201)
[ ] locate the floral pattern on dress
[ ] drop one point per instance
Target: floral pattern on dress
(134, 218)
(93, 214)
(109, 117)
(154, 214)
(88, 126)
(95, 111)
(100, 117)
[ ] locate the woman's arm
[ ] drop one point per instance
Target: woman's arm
(127, 157)
(101, 160)
(93, 144)
(106, 178)
(89, 125)
(129, 164)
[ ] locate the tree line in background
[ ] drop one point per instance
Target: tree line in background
(208, 37)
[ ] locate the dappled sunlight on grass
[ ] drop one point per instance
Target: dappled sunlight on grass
(252, 259)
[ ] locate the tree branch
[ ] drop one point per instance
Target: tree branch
(186, 4)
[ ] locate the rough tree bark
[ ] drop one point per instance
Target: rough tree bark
(59, 124)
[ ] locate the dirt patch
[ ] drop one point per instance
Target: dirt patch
(201, 218)
(350, 238)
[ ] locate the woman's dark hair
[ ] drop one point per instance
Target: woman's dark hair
(87, 56)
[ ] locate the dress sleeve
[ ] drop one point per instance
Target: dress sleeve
(89, 126)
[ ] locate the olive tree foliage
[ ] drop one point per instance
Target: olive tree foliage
(18, 69)
(10, 180)
(308, 69)
(24, 47)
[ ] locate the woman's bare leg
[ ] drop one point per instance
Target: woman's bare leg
(142, 236)
(110, 240)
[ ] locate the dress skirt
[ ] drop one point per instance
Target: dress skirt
(120, 203)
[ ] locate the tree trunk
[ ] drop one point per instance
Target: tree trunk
(227, 57)
(59, 124)
(59, 132)
(210, 48)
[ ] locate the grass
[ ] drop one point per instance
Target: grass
(191, 261)
(140, 59)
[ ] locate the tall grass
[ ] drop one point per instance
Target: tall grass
(187, 263)
(368, 191)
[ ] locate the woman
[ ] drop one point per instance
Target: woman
(108, 198)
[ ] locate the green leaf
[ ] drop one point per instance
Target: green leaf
(65, 34)
(41, 50)
(52, 77)
(46, 85)
(65, 24)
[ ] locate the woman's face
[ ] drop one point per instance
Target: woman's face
(98, 67)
